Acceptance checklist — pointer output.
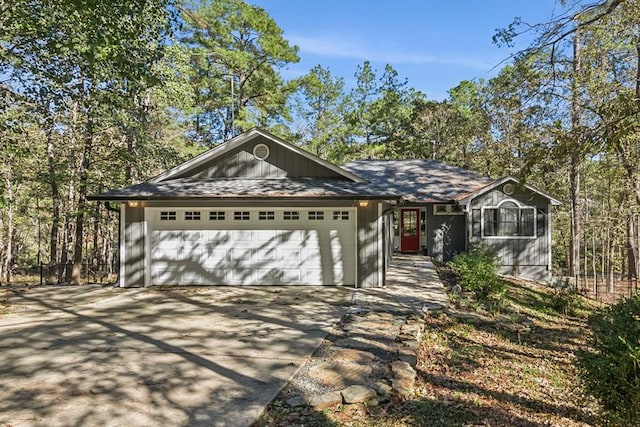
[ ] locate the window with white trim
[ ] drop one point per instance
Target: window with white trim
(241, 216)
(447, 210)
(167, 215)
(216, 215)
(266, 216)
(291, 215)
(341, 215)
(315, 215)
(192, 216)
(508, 219)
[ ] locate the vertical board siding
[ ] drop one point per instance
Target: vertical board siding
(368, 253)
(518, 256)
(134, 261)
(445, 235)
(281, 162)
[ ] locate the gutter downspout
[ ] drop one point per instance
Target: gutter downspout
(117, 210)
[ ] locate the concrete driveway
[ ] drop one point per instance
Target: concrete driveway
(85, 356)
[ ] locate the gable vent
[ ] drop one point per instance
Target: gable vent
(508, 189)
(260, 152)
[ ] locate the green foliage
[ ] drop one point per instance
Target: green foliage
(611, 372)
(477, 270)
(565, 299)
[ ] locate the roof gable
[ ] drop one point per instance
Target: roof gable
(467, 198)
(235, 159)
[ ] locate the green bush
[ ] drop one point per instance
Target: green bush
(477, 270)
(611, 372)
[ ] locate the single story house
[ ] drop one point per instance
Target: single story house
(257, 210)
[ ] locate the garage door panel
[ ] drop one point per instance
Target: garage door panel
(166, 276)
(266, 254)
(257, 252)
(221, 236)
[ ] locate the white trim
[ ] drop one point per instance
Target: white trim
(380, 248)
(258, 146)
(123, 239)
(147, 248)
(357, 245)
(521, 207)
(549, 245)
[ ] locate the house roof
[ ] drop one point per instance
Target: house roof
(420, 181)
(241, 188)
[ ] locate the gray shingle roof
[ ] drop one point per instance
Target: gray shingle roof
(243, 188)
(420, 181)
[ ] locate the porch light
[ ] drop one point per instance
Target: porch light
(363, 203)
(133, 203)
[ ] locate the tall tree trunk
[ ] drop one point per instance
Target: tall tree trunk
(55, 210)
(574, 166)
(10, 224)
(83, 179)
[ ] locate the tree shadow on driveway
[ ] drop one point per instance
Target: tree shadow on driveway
(157, 357)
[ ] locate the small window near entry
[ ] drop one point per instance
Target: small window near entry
(316, 215)
(291, 215)
(167, 216)
(241, 216)
(340, 215)
(266, 215)
(192, 216)
(447, 210)
(216, 216)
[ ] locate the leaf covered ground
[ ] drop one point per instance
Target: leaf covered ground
(510, 365)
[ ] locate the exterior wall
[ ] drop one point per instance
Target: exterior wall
(371, 229)
(132, 247)
(520, 257)
(370, 271)
(445, 235)
(280, 163)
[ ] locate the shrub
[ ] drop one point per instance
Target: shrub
(477, 270)
(611, 372)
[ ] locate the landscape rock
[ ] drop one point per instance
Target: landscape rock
(408, 355)
(352, 355)
(340, 375)
(297, 401)
(402, 369)
(325, 400)
(382, 388)
(358, 394)
(404, 379)
(404, 387)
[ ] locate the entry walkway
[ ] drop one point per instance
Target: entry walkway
(412, 285)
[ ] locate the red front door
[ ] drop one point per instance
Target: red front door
(409, 230)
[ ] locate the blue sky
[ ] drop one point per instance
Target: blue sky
(435, 44)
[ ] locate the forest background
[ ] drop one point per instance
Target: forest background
(98, 95)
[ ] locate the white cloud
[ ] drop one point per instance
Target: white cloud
(356, 49)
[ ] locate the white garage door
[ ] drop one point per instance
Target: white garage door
(197, 246)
